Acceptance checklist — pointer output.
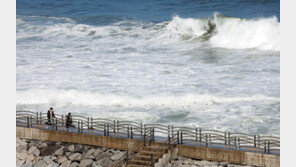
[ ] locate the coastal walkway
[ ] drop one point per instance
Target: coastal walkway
(195, 143)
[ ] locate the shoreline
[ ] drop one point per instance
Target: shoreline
(36, 153)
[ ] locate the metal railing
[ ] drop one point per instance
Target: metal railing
(136, 130)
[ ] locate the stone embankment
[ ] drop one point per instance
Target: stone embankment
(32, 153)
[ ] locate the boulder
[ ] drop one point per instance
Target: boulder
(86, 163)
(61, 159)
(34, 150)
(53, 165)
(20, 162)
(75, 157)
(59, 152)
(103, 155)
(40, 164)
(47, 159)
(74, 164)
(89, 157)
(23, 155)
(71, 148)
(30, 158)
(105, 162)
(65, 164)
(43, 145)
(28, 165)
(117, 155)
(97, 152)
(90, 152)
(78, 148)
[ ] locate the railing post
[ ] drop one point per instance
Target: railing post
(169, 142)
(128, 132)
(28, 121)
(108, 131)
(206, 140)
(255, 141)
(229, 139)
(36, 117)
(114, 127)
(264, 146)
(104, 129)
(258, 140)
(141, 129)
(144, 139)
(225, 138)
(127, 160)
(181, 137)
(81, 128)
(168, 132)
(31, 121)
(153, 135)
(172, 132)
(78, 126)
(87, 122)
(178, 137)
(62, 119)
(268, 147)
(200, 137)
(152, 161)
(40, 118)
(117, 126)
(210, 141)
(131, 132)
(56, 124)
(238, 144)
(235, 147)
(196, 136)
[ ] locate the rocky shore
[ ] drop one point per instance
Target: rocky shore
(33, 153)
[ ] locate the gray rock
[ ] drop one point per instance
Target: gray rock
(97, 152)
(43, 145)
(20, 162)
(96, 164)
(105, 161)
(71, 148)
(68, 154)
(34, 150)
(74, 164)
(65, 164)
(53, 165)
(61, 159)
(47, 159)
(30, 158)
(89, 157)
(85, 163)
(40, 164)
(103, 155)
(75, 157)
(177, 164)
(23, 155)
(59, 152)
(78, 148)
(117, 155)
(28, 165)
(90, 152)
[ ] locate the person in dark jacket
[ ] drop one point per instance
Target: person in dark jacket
(69, 121)
(50, 115)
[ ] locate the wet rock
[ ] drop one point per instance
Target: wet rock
(117, 155)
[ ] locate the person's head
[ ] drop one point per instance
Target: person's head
(51, 108)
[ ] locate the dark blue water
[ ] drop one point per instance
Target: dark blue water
(105, 12)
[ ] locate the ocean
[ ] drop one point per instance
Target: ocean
(209, 64)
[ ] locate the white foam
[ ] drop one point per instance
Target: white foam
(74, 97)
(235, 33)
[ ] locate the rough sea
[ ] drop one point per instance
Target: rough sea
(210, 64)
